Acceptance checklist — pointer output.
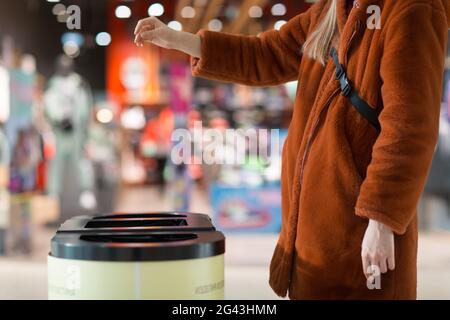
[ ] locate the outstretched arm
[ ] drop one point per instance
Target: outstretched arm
(271, 58)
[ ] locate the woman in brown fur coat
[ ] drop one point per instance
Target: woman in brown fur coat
(349, 188)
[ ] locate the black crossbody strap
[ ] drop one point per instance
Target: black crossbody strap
(348, 91)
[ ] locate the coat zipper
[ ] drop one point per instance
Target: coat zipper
(307, 149)
(313, 131)
(316, 123)
(355, 29)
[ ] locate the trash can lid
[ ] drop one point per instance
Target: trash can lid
(139, 221)
(137, 246)
(138, 237)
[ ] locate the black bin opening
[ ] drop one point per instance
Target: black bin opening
(138, 238)
(101, 224)
(140, 216)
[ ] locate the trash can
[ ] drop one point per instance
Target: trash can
(167, 256)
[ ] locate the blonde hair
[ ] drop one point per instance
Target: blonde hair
(317, 46)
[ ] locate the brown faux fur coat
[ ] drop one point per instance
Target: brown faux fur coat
(338, 172)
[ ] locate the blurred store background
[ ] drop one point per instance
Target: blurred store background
(85, 127)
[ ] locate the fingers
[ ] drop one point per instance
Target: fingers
(150, 35)
(151, 30)
(138, 40)
(150, 22)
(366, 265)
(381, 262)
(391, 262)
(141, 24)
(383, 266)
(161, 37)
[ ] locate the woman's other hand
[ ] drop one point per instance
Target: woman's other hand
(378, 249)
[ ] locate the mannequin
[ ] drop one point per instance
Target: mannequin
(67, 104)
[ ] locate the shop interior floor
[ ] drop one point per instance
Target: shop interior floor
(247, 258)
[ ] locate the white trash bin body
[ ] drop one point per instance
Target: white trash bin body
(147, 256)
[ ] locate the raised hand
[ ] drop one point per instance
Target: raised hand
(152, 30)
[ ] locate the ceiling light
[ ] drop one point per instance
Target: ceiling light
(188, 12)
(123, 12)
(156, 10)
(175, 25)
(215, 25)
(103, 39)
(74, 37)
(105, 116)
(255, 12)
(59, 8)
(279, 24)
(62, 17)
(279, 9)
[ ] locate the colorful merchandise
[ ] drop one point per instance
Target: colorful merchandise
(4, 194)
(247, 209)
(22, 89)
(181, 104)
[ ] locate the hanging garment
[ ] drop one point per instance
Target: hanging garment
(22, 86)
(24, 162)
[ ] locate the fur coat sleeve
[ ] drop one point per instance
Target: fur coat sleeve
(411, 72)
(271, 58)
